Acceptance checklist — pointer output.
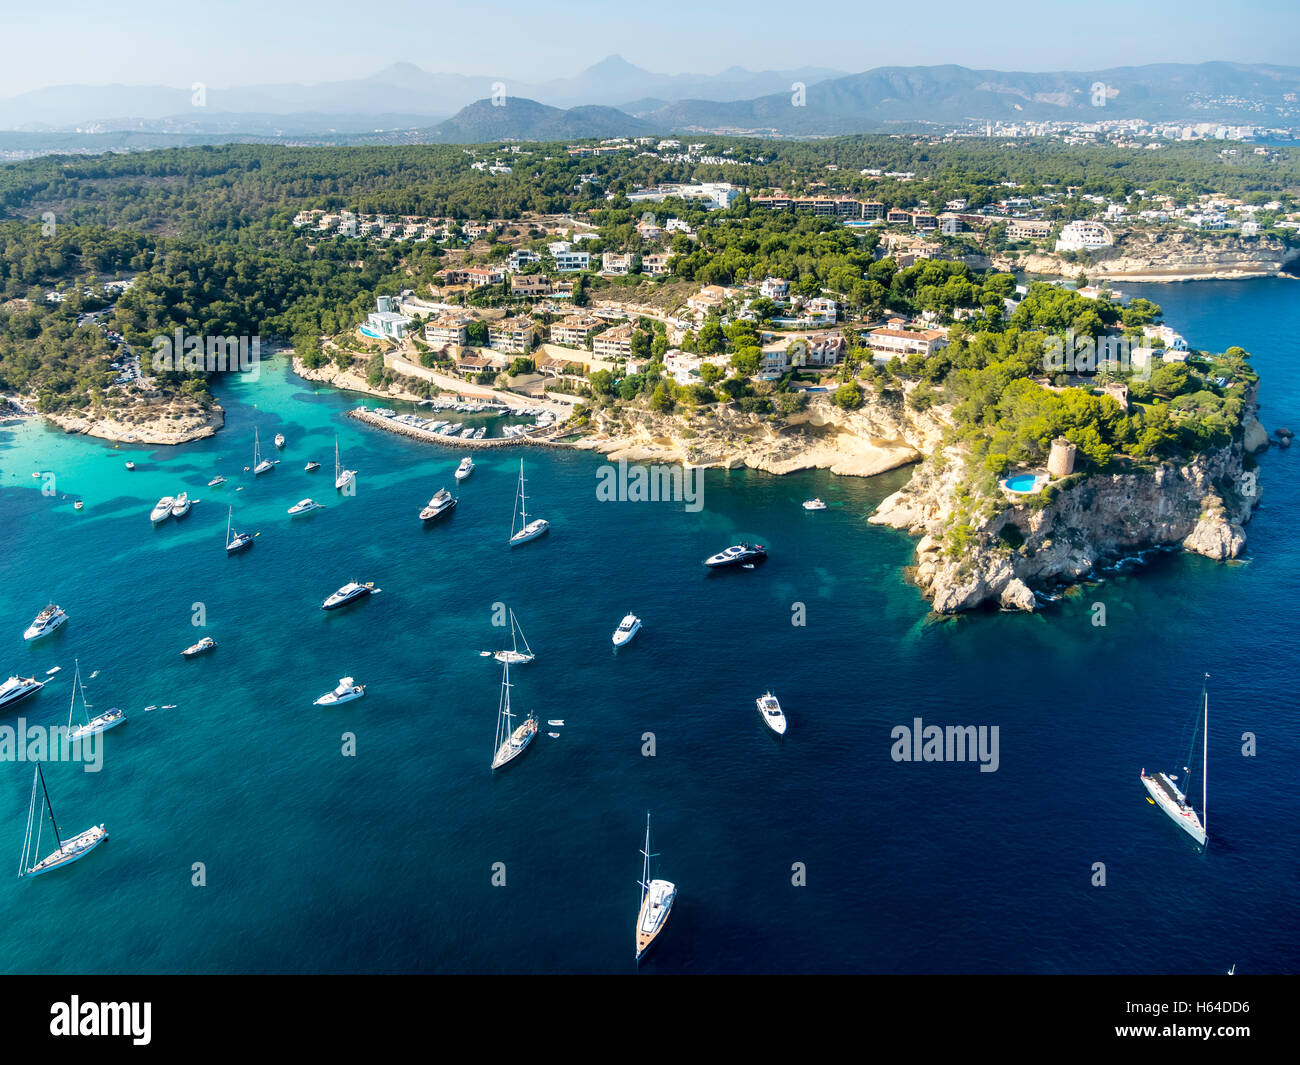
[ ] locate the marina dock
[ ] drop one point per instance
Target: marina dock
(540, 437)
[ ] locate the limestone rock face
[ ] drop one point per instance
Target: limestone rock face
(1199, 505)
(1166, 255)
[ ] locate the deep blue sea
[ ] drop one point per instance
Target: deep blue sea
(384, 862)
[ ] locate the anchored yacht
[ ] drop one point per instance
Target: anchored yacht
(465, 468)
(440, 504)
(305, 506)
(657, 898)
(627, 628)
(770, 710)
(738, 554)
(813, 504)
(162, 509)
(45, 622)
(349, 593)
(344, 693)
(204, 645)
(182, 505)
(15, 689)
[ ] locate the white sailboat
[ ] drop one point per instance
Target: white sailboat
(515, 656)
(105, 721)
(528, 530)
(239, 540)
(1165, 792)
(342, 477)
(657, 898)
(510, 743)
(68, 850)
(260, 465)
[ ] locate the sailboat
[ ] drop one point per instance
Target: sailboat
(510, 744)
(342, 477)
(68, 851)
(1173, 800)
(260, 465)
(514, 655)
(657, 897)
(529, 530)
(240, 540)
(105, 721)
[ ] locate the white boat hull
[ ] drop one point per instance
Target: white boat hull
(96, 725)
(535, 528)
(72, 850)
(1181, 815)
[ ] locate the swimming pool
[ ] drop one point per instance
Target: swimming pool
(1021, 482)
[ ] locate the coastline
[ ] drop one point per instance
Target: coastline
(167, 427)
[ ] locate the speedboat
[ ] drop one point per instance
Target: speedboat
(105, 721)
(465, 468)
(205, 644)
(130, 465)
(312, 467)
(162, 510)
(305, 506)
(78, 504)
(182, 505)
(16, 689)
(440, 504)
(736, 555)
(344, 693)
(627, 628)
(770, 710)
(350, 592)
(813, 504)
(216, 481)
(279, 439)
(45, 622)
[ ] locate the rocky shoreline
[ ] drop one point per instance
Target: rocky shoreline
(165, 424)
(1200, 505)
(879, 437)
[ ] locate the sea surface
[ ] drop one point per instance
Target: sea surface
(385, 861)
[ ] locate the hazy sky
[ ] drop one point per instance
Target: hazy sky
(234, 42)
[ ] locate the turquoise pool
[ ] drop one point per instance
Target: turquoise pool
(1021, 482)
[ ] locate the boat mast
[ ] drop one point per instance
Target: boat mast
(505, 715)
(1205, 756)
(49, 806)
(72, 705)
(257, 449)
(645, 868)
(523, 500)
(229, 513)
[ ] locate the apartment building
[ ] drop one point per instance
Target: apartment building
(573, 331)
(615, 343)
(449, 329)
(511, 335)
(888, 342)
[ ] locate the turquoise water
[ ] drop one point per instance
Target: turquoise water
(383, 862)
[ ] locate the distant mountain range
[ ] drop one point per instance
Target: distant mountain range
(405, 104)
(400, 89)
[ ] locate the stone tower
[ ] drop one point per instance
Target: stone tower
(1060, 463)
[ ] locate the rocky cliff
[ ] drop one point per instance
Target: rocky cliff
(881, 435)
(1166, 255)
(1009, 549)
